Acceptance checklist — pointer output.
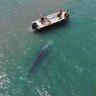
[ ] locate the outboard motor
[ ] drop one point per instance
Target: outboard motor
(34, 25)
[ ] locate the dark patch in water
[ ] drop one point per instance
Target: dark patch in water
(52, 27)
(38, 59)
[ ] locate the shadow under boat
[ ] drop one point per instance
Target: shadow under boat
(60, 24)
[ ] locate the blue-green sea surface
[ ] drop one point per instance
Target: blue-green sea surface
(69, 66)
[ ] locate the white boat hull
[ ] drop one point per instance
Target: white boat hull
(50, 20)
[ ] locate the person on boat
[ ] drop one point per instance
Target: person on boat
(60, 13)
(66, 14)
(42, 19)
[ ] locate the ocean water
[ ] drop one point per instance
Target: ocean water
(69, 66)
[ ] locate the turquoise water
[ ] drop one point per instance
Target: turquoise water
(69, 67)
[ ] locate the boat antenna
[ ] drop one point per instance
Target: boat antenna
(59, 3)
(41, 14)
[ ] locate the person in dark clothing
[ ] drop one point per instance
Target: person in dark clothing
(42, 20)
(60, 13)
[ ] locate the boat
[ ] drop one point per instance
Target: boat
(45, 21)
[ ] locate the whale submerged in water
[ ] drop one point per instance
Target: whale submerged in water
(40, 56)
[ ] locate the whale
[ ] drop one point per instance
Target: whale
(39, 58)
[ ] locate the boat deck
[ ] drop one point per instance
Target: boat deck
(50, 19)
